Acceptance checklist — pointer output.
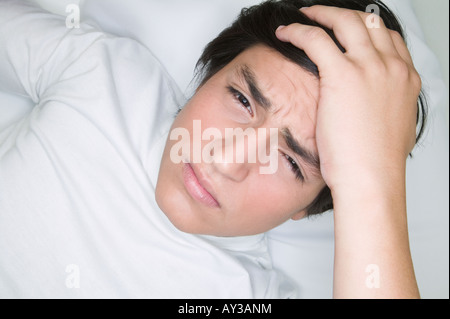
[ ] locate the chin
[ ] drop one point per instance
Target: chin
(182, 219)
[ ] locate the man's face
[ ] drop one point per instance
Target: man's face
(258, 91)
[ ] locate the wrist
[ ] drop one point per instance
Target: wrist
(371, 229)
(369, 187)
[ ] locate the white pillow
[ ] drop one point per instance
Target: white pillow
(177, 31)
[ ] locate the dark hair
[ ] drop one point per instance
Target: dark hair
(257, 25)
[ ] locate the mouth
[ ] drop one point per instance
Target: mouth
(196, 187)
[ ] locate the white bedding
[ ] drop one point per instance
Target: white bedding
(78, 215)
(176, 31)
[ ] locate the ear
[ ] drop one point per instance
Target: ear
(299, 215)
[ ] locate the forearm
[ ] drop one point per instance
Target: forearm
(366, 127)
(372, 255)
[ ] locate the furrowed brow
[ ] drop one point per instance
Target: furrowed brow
(311, 159)
(249, 77)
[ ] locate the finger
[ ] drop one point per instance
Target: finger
(316, 43)
(405, 55)
(401, 47)
(347, 25)
(379, 34)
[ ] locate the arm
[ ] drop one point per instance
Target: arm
(34, 50)
(366, 128)
(82, 73)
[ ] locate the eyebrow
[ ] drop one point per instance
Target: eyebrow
(295, 146)
(311, 159)
(249, 77)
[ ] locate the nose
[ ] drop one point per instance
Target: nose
(236, 155)
(231, 159)
(236, 172)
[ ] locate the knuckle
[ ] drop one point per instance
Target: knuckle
(416, 80)
(381, 21)
(350, 15)
(373, 17)
(399, 68)
(378, 68)
(316, 33)
(396, 36)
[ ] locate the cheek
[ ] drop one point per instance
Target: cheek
(215, 107)
(278, 199)
(200, 109)
(263, 206)
(268, 195)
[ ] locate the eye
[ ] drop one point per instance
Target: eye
(294, 167)
(241, 99)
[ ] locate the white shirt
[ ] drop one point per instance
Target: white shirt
(78, 216)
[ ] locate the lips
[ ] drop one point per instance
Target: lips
(196, 188)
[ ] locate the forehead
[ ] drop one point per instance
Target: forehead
(292, 91)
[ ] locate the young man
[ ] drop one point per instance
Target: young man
(78, 173)
(338, 127)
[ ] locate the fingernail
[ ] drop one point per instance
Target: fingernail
(303, 9)
(281, 27)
